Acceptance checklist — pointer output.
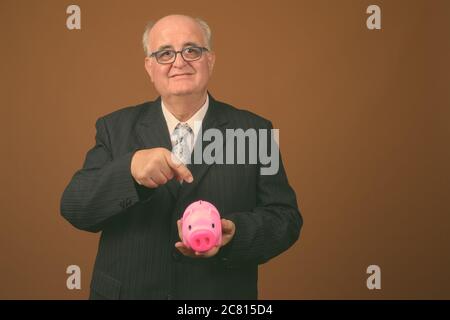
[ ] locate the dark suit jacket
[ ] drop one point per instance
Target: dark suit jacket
(136, 256)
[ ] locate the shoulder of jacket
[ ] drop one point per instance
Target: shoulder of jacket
(129, 114)
(243, 114)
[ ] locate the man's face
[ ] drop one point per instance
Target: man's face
(180, 77)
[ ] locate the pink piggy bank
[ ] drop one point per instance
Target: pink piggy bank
(201, 226)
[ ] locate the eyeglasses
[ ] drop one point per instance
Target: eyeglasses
(169, 56)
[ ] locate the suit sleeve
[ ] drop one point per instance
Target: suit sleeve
(103, 188)
(271, 227)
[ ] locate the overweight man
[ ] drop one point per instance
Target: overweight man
(150, 162)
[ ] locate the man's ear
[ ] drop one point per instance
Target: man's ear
(148, 64)
(211, 61)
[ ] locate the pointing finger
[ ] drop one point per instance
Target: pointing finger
(179, 168)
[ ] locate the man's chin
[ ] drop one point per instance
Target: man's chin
(183, 92)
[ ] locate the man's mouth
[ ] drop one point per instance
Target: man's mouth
(180, 75)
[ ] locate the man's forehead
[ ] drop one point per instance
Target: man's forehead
(179, 36)
(176, 33)
(186, 44)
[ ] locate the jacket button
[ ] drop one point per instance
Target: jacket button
(125, 203)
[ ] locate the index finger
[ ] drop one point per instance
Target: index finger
(179, 168)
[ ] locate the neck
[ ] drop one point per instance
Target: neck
(184, 107)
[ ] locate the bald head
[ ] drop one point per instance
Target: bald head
(174, 23)
(180, 79)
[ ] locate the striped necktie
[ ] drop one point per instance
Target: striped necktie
(182, 142)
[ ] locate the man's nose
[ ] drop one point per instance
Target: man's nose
(179, 61)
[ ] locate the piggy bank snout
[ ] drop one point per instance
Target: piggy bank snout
(202, 229)
(202, 240)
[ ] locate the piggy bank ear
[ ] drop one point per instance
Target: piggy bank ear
(187, 213)
(212, 213)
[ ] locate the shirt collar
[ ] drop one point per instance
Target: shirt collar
(172, 121)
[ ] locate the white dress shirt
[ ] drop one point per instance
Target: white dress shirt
(194, 122)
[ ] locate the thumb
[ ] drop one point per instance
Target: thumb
(227, 226)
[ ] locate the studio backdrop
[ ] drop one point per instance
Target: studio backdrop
(359, 91)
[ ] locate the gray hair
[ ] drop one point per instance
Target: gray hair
(203, 25)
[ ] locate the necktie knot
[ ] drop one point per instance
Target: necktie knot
(182, 129)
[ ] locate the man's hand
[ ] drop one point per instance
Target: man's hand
(228, 230)
(154, 167)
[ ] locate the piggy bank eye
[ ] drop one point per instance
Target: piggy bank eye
(213, 225)
(190, 227)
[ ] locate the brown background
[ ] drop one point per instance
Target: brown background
(363, 118)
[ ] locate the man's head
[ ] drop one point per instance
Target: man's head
(177, 32)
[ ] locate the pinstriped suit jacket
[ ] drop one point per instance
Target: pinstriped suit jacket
(136, 256)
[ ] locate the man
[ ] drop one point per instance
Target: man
(134, 190)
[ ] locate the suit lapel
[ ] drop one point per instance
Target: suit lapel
(153, 133)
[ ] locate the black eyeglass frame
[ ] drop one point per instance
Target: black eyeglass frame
(202, 49)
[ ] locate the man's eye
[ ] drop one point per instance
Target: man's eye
(165, 53)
